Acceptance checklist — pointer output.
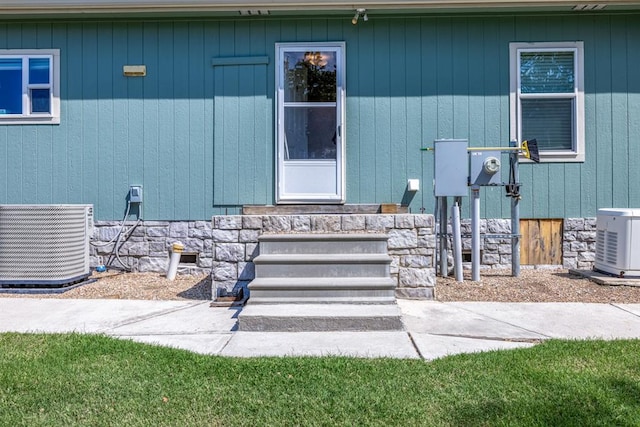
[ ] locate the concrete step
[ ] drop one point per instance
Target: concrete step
(358, 290)
(360, 243)
(321, 298)
(322, 269)
(322, 265)
(320, 317)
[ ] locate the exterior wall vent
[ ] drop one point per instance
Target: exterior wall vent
(44, 245)
(618, 242)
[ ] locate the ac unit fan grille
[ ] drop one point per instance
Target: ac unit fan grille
(44, 243)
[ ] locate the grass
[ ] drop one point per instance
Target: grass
(68, 380)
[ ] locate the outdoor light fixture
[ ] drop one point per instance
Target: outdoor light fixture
(253, 12)
(587, 7)
(359, 13)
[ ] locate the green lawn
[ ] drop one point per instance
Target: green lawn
(62, 380)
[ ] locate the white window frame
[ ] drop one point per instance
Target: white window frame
(577, 153)
(27, 117)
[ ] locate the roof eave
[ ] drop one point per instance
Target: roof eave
(225, 6)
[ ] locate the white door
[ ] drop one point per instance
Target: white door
(310, 150)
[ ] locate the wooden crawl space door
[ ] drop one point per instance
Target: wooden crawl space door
(541, 242)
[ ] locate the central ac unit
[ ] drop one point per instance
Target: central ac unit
(618, 242)
(44, 245)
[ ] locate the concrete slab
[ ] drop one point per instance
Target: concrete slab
(354, 344)
(437, 318)
(566, 320)
(194, 319)
(436, 346)
(320, 317)
(437, 329)
(606, 279)
(71, 315)
(631, 308)
(211, 344)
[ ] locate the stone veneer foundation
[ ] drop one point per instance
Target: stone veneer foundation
(146, 247)
(578, 247)
(226, 246)
(411, 245)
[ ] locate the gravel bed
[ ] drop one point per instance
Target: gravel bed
(136, 286)
(533, 285)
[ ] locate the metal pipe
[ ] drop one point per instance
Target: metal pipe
(475, 234)
(174, 260)
(457, 241)
(444, 261)
(515, 221)
(494, 149)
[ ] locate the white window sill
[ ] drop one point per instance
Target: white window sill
(558, 157)
(29, 120)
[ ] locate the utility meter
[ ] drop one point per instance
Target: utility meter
(484, 167)
(491, 165)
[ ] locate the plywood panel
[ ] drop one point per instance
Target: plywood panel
(541, 242)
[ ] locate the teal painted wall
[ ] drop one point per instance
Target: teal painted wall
(200, 138)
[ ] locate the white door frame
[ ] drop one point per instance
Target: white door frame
(305, 180)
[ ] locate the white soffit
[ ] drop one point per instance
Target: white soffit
(132, 6)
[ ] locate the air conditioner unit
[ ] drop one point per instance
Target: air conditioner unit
(44, 245)
(618, 242)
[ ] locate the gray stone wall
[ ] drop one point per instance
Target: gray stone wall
(411, 245)
(579, 243)
(145, 247)
(578, 248)
(226, 246)
(495, 251)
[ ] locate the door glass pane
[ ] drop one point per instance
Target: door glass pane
(38, 70)
(310, 133)
(40, 101)
(310, 76)
(11, 86)
(546, 72)
(550, 121)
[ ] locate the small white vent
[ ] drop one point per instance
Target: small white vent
(44, 245)
(618, 242)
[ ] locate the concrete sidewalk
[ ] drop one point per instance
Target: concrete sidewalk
(432, 329)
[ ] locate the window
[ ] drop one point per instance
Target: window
(29, 86)
(547, 98)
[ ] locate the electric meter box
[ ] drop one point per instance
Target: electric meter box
(451, 170)
(618, 242)
(485, 167)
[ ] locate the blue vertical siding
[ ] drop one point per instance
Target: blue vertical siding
(633, 112)
(201, 139)
(411, 81)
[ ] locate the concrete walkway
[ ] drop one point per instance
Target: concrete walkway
(432, 329)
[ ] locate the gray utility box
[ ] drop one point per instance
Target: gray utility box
(485, 168)
(451, 168)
